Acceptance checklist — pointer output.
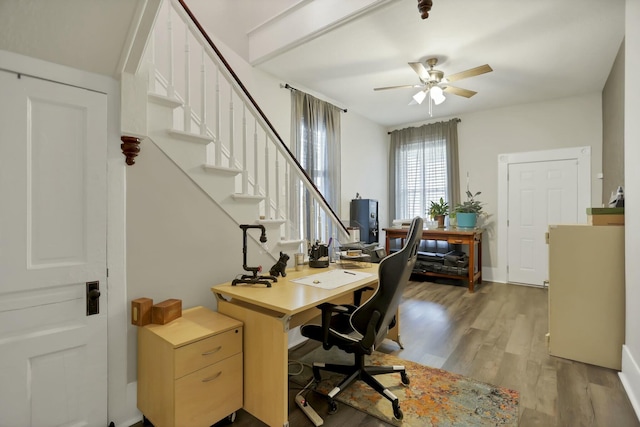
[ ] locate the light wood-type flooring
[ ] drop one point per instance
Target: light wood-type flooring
(495, 335)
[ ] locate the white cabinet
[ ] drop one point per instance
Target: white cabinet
(586, 293)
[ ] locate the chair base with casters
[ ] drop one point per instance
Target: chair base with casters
(366, 373)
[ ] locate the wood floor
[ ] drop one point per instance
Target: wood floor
(496, 335)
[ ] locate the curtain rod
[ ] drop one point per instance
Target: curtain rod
(456, 119)
(288, 86)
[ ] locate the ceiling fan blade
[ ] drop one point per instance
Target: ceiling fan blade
(395, 87)
(459, 91)
(469, 73)
(420, 70)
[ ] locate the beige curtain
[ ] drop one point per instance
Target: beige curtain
(315, 142)
(423, 166)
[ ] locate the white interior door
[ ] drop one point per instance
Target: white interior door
(540, 193)
(53, 356)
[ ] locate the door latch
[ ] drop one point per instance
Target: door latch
(93, 298)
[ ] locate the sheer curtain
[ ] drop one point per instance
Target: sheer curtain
(315, 142)
(423, 166)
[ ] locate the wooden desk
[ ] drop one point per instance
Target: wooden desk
(472, 238)
(268, 314)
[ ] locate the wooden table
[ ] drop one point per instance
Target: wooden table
(267, 315)
(469, 237)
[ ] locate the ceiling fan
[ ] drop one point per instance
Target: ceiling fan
(434, 82)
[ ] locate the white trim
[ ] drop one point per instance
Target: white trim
(581, 154)
(630, 378)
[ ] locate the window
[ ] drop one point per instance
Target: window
(423, 168)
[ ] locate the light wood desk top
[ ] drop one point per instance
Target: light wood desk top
(289, 298)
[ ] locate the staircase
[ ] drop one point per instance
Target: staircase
(203, 118)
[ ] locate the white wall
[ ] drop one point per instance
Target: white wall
(365, 150)
(631, 351)
(482, 136)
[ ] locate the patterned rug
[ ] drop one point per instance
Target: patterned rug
(434, 397)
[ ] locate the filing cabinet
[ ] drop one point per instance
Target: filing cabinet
(190, 369)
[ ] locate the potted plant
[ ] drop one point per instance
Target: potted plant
(438, 210)
(467, 212)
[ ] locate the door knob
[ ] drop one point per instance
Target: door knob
(93, 298)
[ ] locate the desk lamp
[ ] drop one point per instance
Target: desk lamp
(253, 277)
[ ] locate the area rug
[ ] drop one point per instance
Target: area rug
(434, 396)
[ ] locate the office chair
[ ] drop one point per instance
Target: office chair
(361, 329)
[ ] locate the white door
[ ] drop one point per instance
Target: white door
(540, 193)
(53, 356)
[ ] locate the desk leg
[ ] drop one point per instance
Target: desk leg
(265, 363)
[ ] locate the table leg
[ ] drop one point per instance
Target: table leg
(265, 363)
(480, 260)
(472, 264)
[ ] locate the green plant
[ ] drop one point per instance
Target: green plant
(471, 205)
(439, 208)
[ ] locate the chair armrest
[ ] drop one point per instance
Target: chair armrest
(357, 295)
(328, 310)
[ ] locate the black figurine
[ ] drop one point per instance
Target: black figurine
(280, 266)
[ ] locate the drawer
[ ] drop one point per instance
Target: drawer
(210, 394)
(199, 354)
(457, 241)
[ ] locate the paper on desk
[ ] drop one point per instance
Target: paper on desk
(332, 279)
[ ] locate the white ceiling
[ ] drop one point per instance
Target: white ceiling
(538, 50)
(85, 34)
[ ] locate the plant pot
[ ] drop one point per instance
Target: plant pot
(440, 219)
(466, 219)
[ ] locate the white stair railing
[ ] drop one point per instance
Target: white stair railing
(259, 160)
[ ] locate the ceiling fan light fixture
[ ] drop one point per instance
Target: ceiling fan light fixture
(436, 95)
(420, 96)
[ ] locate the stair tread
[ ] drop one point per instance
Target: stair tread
(289, 243)
(223, 169)
(247, 196)
(190, 136)
(167, 101)
(271, 221)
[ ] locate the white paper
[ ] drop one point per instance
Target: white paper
(332, 279)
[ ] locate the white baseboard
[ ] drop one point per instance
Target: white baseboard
(133, 415)
(630, 378)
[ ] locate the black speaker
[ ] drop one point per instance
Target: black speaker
(364, 214)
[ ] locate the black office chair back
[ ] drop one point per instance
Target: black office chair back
(393, 276)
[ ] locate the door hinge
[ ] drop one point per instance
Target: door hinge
(107, 272)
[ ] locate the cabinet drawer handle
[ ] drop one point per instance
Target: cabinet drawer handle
(206, 380)
(210, 352)
(456, 241)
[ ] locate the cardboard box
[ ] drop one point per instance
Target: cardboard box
(605, 216)
(605, 219)
(166, 311)
(141, 311)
